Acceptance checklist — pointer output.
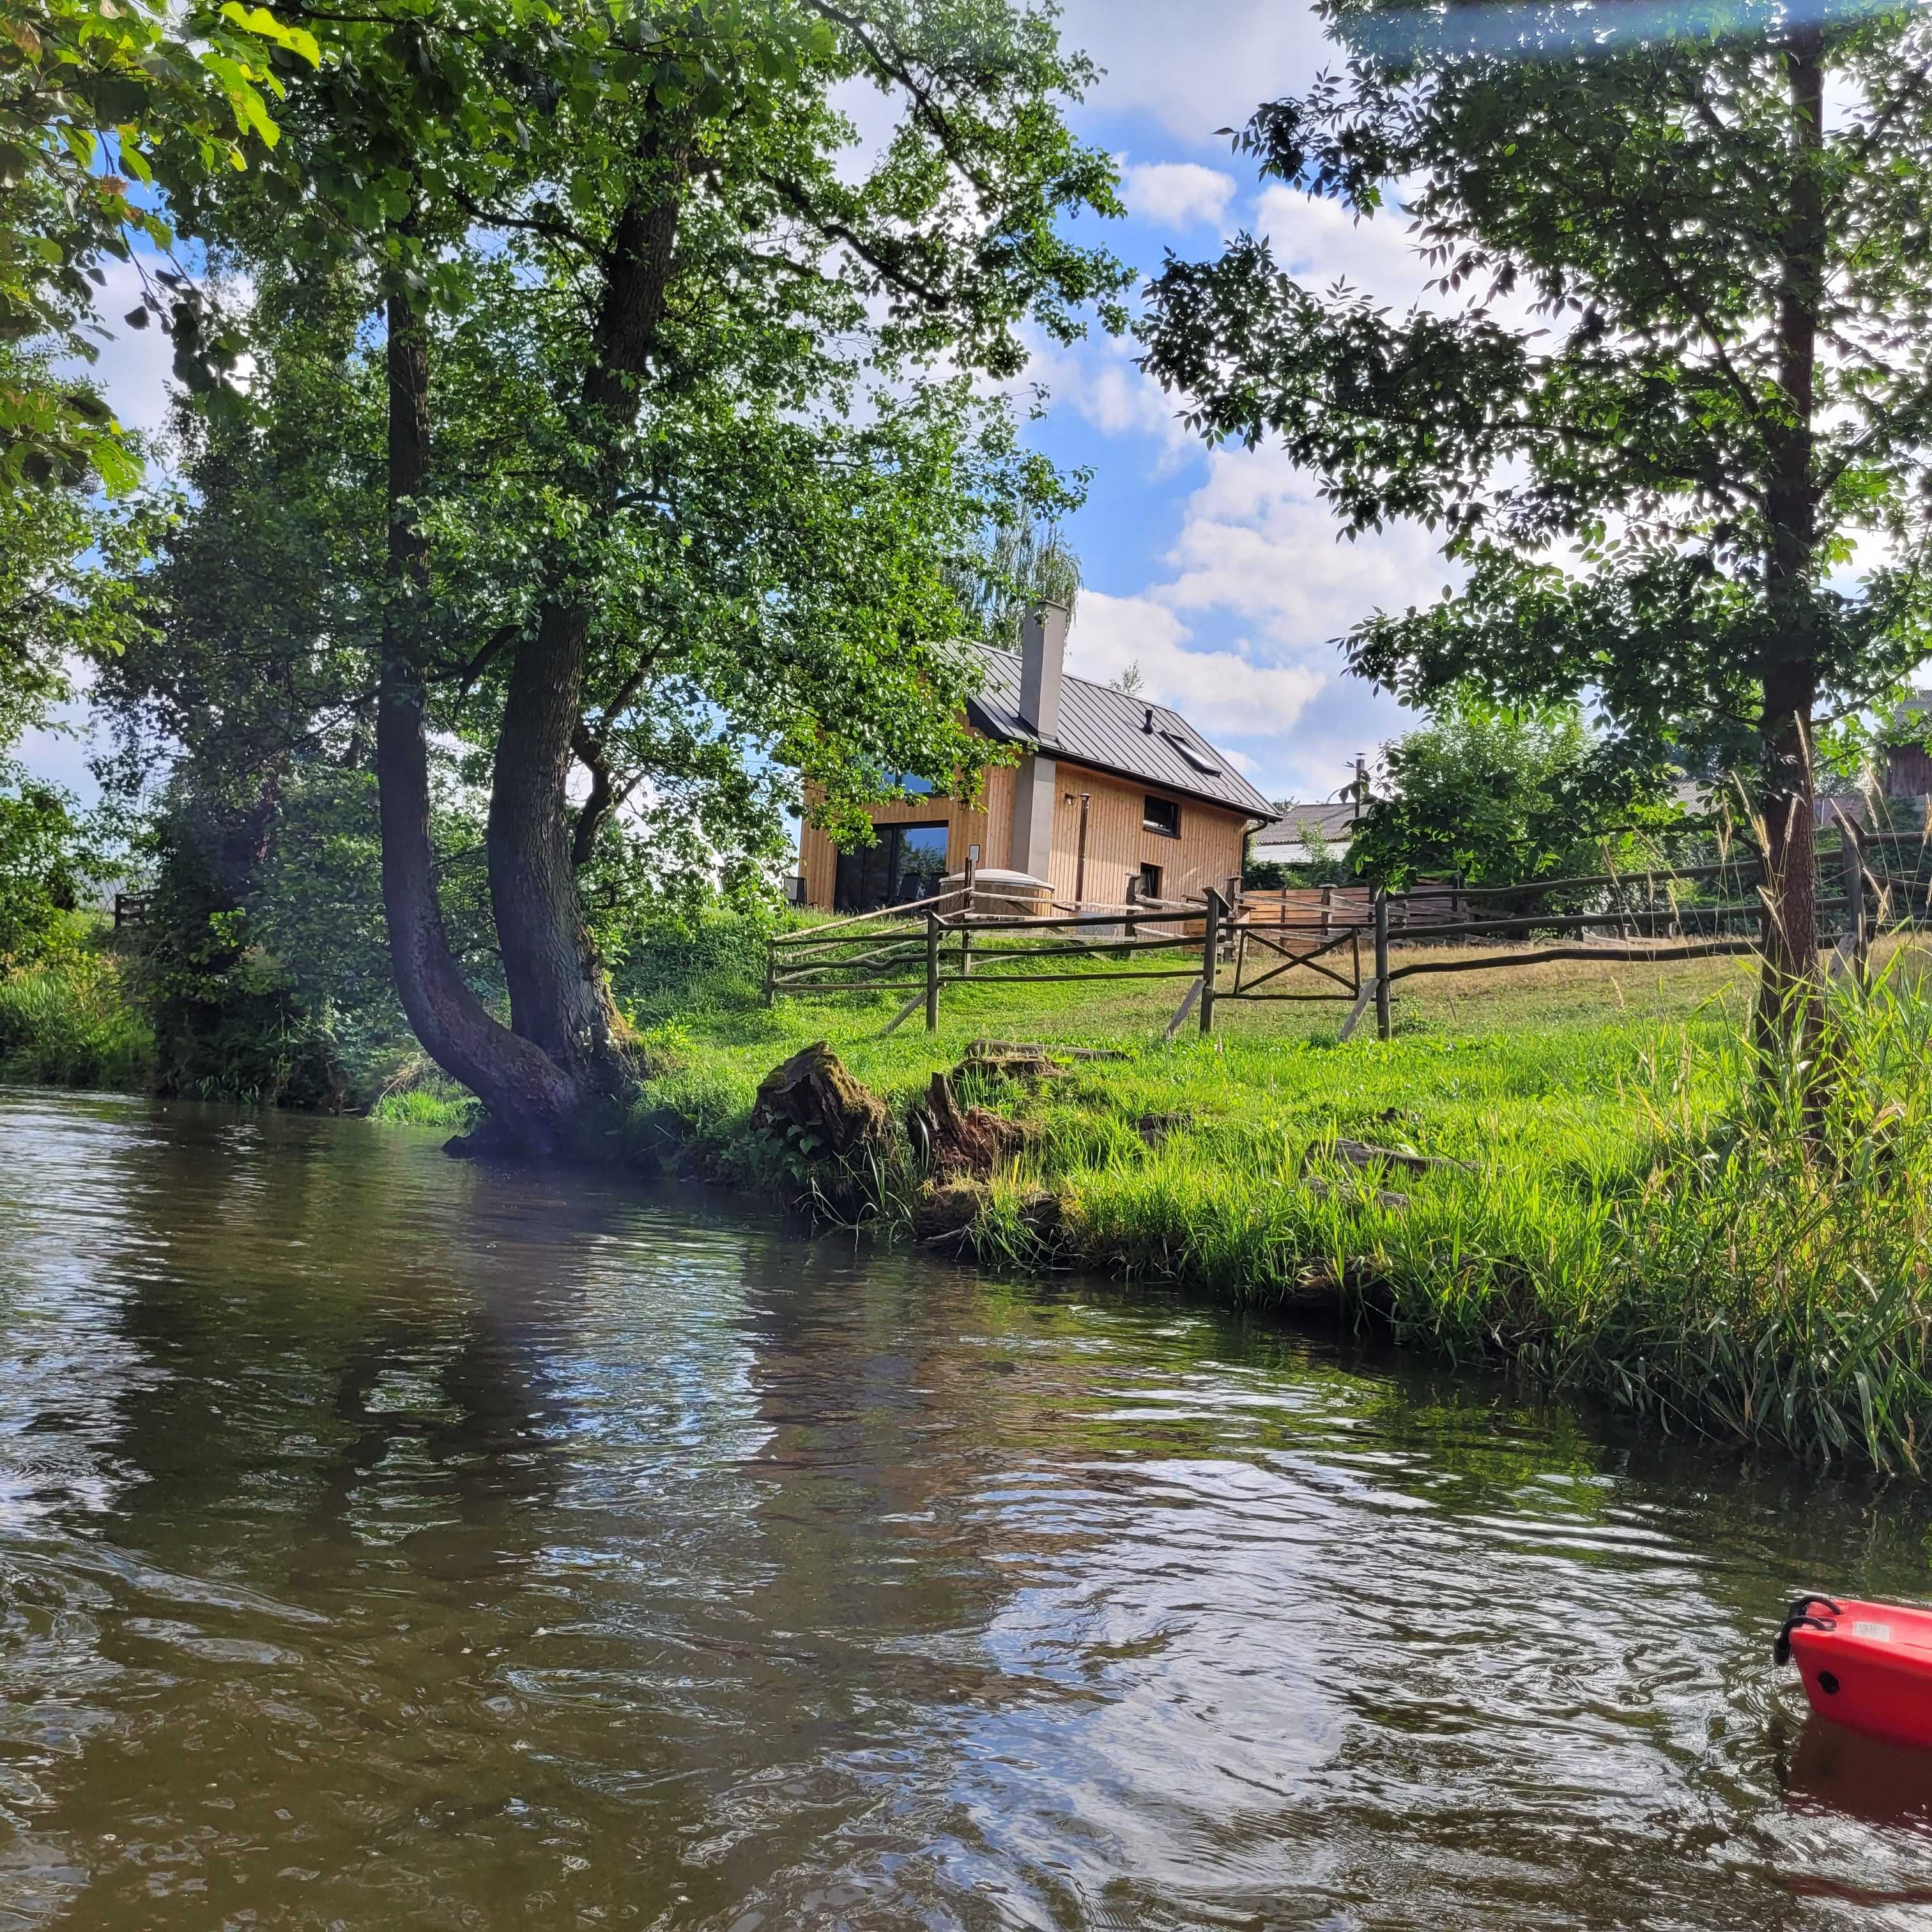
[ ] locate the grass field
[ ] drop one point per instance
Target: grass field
(1646, 1213)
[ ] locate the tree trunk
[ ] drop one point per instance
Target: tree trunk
(1790, 675)
(559, 996)
(530, 1097)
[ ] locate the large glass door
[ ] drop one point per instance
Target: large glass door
(907, 864)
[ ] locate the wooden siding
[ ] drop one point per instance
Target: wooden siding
(1207, 853)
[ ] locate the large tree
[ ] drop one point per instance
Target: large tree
(680, 426)
(1674, 382)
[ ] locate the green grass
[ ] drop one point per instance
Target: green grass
(68, 1022)
(417, 1095)
(1646, 1219)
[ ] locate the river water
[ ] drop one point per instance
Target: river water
(387, 1543)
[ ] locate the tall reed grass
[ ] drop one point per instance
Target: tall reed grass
(68, 1021)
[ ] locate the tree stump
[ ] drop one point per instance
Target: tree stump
(812, 1094)
(975, 1142)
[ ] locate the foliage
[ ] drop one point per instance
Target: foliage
(100, 100)
(47, 861)
(67, 584)
(1502, 794)
(1324, 865)
(1020, 561)
(1678, 324)
(673, 962)
(69, 1019)
(228, 1024)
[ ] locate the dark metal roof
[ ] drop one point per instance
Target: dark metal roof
(1337, 823)
(1108, 729)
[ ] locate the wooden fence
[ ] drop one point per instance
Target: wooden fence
(1309, 944)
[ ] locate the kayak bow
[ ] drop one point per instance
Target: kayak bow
(1867, 1666)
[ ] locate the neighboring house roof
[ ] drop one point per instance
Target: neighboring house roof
(1114, 732)
(1337, 824)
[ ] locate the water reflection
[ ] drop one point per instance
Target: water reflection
(386, 1543)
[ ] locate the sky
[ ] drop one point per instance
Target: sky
(1219, 574)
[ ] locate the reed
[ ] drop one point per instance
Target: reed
(68, 1021)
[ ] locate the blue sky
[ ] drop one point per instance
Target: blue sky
(1219, 575)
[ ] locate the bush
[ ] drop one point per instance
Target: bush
(672, 964)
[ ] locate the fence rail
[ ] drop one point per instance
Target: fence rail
(1300, 944)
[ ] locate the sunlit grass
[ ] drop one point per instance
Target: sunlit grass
(1643, 1217)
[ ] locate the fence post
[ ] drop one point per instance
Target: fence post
(932, 969)
(1210, 956)
(1384, 1028)
(1133, 900)
(771, 963)
(1851, 856)
(966, 916)
(1328, 910)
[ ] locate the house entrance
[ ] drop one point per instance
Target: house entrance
(907, 863)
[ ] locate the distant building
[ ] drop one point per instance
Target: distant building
(1110, 791)
(1287, 841)
(1902, 778)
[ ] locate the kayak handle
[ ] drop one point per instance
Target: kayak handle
(1799, 1617)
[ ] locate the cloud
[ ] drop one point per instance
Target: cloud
(1318, 241)
(1194, 69)
(1225, 692)
(134, 367)
(1257, 540)
(1098, 381)
(1178, 194)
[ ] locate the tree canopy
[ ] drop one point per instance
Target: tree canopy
(652, 432)
(1506, 795)
(1668, 401)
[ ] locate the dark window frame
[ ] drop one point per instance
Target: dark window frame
(1160, 816)
(1148, 879)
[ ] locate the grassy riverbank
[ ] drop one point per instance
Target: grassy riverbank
(1638, 1216)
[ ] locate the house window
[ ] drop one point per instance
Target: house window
(1161, 815)
(1148, 880)
(914, 786)
(907, 863)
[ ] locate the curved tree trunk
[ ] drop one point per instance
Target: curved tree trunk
(559, 996)
(533, 1100)
(1791, 670)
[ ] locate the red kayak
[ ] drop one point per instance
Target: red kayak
(1867, 1666)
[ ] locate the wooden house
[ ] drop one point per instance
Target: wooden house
(1108, 790)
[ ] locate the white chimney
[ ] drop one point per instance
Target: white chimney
(1036, 784)
(1042, 656)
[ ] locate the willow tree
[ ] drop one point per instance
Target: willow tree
(1673, 383)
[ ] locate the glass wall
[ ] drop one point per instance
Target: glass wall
(906, 865)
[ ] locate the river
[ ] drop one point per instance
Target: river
(390, 1544)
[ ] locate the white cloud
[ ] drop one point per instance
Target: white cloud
(134, 367)
(1195, 67)
(1225, 692)
(1258, 541)
(1098, 381)
(1319, 242)
(1177, 194)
